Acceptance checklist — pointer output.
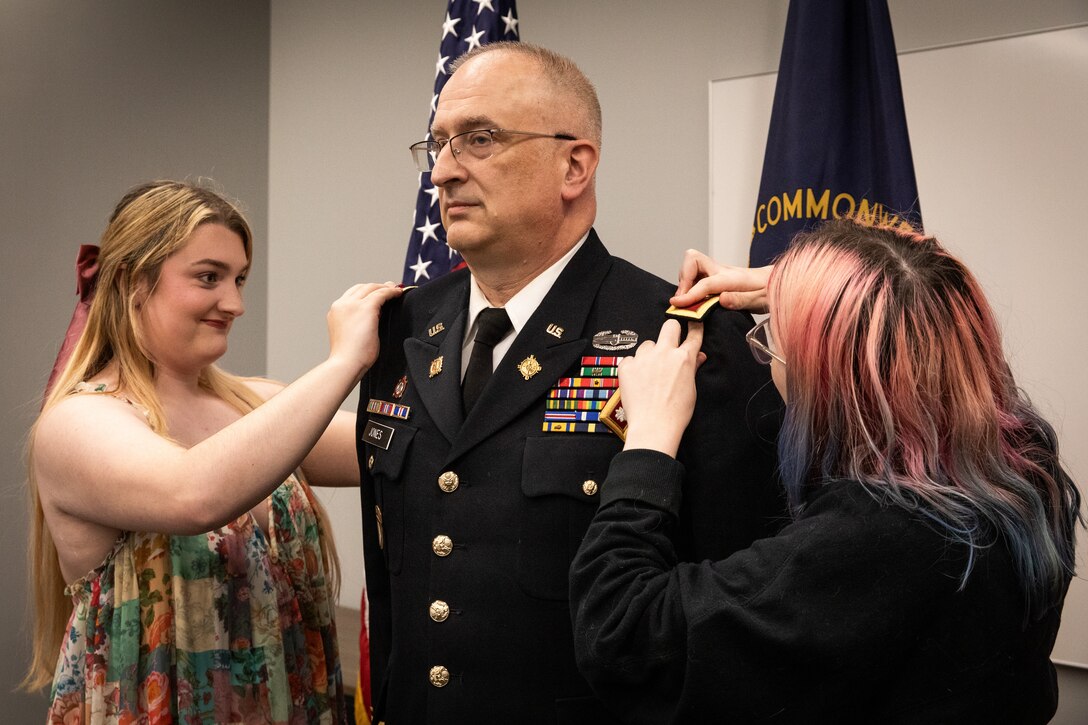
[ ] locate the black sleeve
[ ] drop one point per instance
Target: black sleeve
(841, 592)
(630, 633)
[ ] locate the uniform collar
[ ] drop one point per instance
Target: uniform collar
(522, 305)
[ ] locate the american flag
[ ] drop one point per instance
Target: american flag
(468, 24)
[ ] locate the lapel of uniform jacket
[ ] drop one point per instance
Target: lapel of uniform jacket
(441, 340)
(508, 393)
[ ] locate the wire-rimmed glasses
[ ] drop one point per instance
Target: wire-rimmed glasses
(759, 340)
(479, 143)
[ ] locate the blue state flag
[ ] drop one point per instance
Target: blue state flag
(468, 24)
(837, 144)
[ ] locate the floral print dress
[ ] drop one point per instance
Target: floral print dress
(232, 626)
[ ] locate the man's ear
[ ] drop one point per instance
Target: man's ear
(582, 163)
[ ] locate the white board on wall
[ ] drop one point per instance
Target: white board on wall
(999, 132)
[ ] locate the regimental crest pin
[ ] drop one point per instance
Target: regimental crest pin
(398, 390)
(555, 330)
(622, 340)
(435, 329)
(436, 366)
(529, 367)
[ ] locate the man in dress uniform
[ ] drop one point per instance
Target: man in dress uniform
(480, 446)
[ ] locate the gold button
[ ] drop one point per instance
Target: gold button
(589, 487)
(381, 529)
(442, 545)
(440, 611)
(370, 463)
(449, 482)
(440, 676)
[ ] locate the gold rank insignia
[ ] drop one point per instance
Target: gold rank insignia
(436, 366)
(614, 416)
(693, 312)
(529, 367)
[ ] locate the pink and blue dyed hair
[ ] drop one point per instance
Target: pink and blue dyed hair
(897, 379)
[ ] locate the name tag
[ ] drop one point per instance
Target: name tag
(378, 435)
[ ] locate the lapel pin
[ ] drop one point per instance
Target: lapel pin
(529, 367)
(435, 329)
(555, 330)
(436, 366)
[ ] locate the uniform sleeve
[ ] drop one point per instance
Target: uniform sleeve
(732, 437)
(842, 591)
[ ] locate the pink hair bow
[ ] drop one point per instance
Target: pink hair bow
(86, 280)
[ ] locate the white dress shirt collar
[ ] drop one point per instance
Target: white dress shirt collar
(519, 308)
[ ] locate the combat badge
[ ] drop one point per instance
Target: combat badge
(608, 340)
(529, 367)
(693, 312)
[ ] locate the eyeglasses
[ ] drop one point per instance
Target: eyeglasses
(759, 339)
(480, 144)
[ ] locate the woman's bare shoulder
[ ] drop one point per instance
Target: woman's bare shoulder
(86, 414)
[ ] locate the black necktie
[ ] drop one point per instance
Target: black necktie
(491, 327)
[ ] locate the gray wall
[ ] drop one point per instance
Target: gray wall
(95, 97)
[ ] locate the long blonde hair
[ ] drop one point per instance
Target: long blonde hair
(151, 222)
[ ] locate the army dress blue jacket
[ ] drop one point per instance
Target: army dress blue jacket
(470, 524)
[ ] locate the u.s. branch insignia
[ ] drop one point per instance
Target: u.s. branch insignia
(529, 367)
(436, 366)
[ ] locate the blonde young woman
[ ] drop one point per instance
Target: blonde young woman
(182, 568)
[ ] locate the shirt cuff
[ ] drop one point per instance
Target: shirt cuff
(644, 475)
